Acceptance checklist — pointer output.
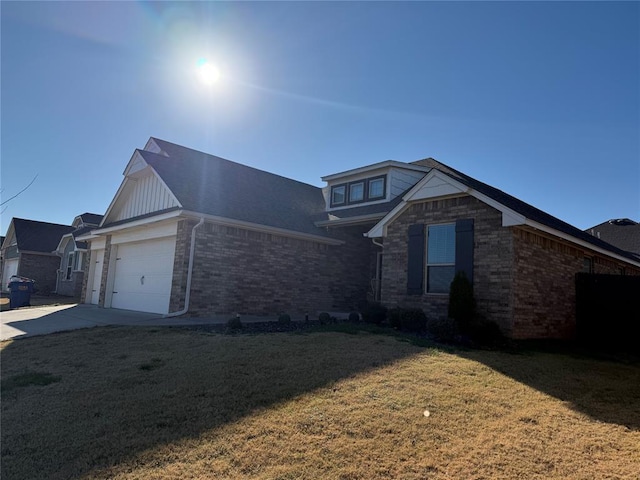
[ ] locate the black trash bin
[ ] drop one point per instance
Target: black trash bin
(21, 290)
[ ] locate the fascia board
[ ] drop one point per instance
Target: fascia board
(577, 241)
(126, 180)
(262, 228)
(9, 236)
(135, 159)
(440, 190)
(349, 220)
(113, 201)
(63, 240)
(380, 229)
(87, 237)
(375, 166)
(134, 223)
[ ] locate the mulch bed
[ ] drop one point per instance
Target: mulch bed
(257, 327)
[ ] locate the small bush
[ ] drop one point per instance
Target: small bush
(393, 315)
(234, 323)
(354, 317)
(443, 329)
(324, 318)
(375, 313)
(486, 333)
(413, 320)
(284, 319)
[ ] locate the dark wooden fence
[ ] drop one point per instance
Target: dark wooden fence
(608, 310)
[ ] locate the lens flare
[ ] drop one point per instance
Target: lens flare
(207, 72)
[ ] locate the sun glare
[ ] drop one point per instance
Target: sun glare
(208, 73)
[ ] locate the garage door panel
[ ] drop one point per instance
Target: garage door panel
(143, 275)
(97, 257)
(10, 268)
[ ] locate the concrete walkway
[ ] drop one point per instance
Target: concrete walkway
(30, 321)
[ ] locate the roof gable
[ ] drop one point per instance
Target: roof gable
(34, 236)
(445, 181)
(142, 192)
(211, 185)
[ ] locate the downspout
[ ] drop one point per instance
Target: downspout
(378, 266)
(192, 252)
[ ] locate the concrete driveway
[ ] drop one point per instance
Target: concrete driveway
(24, 322)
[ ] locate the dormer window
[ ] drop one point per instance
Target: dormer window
(356, 192)
(359, 191)
(376, 188)
(338, 195)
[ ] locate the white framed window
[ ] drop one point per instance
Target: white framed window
(356, 192)
(338, 195)
(69, 269)
(360, 191)
(376, 188)
(78, 261)
(441, 257)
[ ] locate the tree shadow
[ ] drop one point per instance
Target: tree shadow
(121, 391)
(605, 390)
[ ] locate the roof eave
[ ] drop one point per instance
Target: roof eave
(375, 166)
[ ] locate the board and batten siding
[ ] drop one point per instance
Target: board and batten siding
(147, 195)
(401, 180)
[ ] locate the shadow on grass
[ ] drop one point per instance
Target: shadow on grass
(606, 387)
(123, 391)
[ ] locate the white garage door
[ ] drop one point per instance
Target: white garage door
(143, 274)
(9, 269)
(97, 257)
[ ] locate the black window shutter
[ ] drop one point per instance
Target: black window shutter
(415, 267)
(464, 247)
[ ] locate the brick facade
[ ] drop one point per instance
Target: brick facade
(250, 272)
(71, 287)
(524, 280)
(41, 268)
(544, 292)
(493, 253)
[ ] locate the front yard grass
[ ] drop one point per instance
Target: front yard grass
(165, 403)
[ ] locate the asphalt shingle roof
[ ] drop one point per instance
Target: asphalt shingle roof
(34, 236)
(623, 233)
(91, 218)
(211, 185)
(524, 208)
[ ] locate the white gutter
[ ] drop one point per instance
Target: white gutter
(192, 251)
(350, 220)
(262, 228)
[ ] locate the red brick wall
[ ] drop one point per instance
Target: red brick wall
(544, 283)
(41, 268)
(254, 273)
(493, 257)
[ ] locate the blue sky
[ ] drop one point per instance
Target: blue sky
(539, 99)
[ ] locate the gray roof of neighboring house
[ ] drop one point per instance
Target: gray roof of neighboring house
(211, 185)
(620, 232)
(34, 236)
(525, 209)
(91, 218)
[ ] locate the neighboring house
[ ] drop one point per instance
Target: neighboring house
(191, 232)
(28, 251)
(72, 255)
(620, 232)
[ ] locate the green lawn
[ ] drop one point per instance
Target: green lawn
(170, 403)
